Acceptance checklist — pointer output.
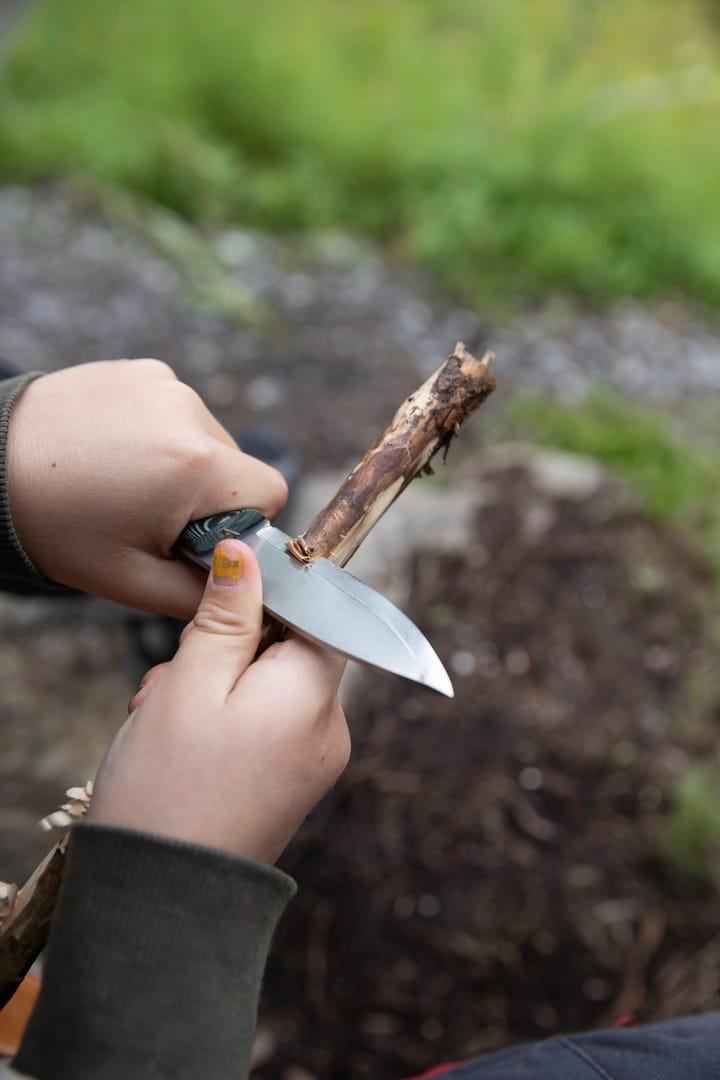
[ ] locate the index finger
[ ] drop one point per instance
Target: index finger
(235, 481)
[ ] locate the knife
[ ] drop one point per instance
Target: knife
(321, 601)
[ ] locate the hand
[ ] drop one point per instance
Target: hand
(107, 464)
(221, 751)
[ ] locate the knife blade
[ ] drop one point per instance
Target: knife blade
(321, 601)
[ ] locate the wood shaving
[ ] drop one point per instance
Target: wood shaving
(8, 893)
(75, 808)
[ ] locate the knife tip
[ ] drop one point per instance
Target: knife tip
(439, 680)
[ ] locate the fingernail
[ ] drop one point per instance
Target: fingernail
(226, 570)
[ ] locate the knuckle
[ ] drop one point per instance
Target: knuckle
(194, 456)
(151, 366)
(223, 622)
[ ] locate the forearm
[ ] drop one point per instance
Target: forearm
(155, 961)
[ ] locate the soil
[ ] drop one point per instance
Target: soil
(489, 869)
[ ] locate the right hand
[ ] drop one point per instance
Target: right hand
(220, 750)
(107, 463)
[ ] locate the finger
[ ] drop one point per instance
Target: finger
(149, 679)
(319, 659)
(150, 583)
(296, 670)
(235, 481)
(227, 624)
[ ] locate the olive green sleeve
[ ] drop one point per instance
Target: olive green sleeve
(18, 573)
(156, 956)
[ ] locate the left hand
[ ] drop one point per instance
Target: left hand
(219, 750)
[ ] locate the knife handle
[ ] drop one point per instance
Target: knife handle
(198, 539)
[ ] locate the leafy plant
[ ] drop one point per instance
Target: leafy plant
(517, 149)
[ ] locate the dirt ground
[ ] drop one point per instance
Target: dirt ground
(488, 869)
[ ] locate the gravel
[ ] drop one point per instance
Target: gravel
(252, 319)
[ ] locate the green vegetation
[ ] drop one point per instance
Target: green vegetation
(674, 469)
(516, 148)
(690, 835)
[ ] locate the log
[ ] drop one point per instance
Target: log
(425, 423)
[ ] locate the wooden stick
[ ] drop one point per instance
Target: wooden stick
(424, 424)
(25, 931)
(427, 422)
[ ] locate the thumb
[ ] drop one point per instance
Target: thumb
(226, 629)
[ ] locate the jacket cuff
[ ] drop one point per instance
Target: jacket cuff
(18, 573)
(156, 956)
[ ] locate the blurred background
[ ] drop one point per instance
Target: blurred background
(302, 207)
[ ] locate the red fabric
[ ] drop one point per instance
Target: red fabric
(436, 1071)
(621, 1022)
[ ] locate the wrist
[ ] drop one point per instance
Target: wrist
(16, 556)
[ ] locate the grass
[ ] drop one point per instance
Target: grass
(516, 149)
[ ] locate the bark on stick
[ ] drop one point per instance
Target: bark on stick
(424, 424)
(427, 422)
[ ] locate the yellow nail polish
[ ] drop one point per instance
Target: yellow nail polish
(226, 570)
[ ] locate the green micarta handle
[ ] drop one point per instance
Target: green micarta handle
(198, 539)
